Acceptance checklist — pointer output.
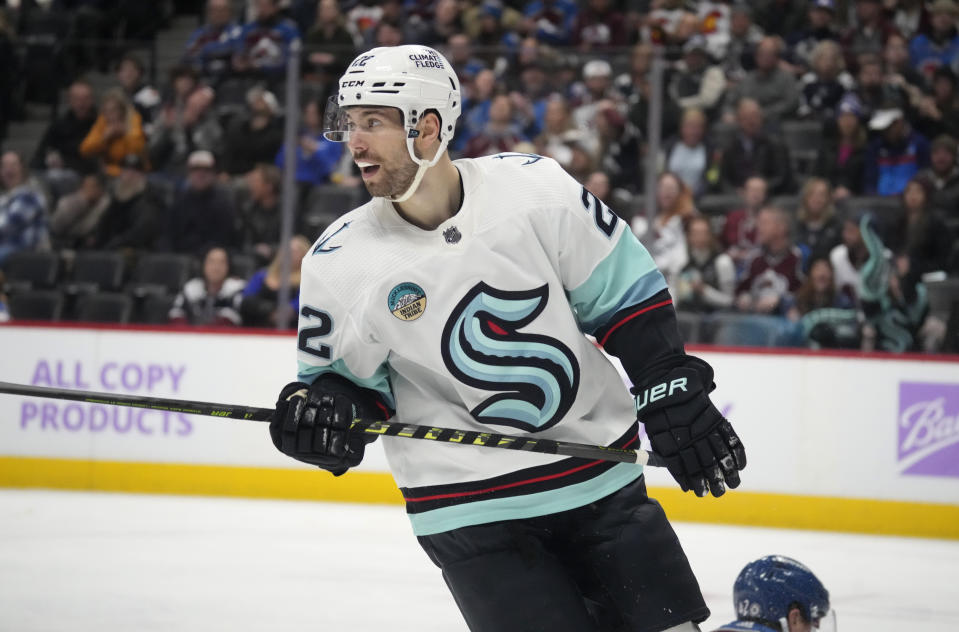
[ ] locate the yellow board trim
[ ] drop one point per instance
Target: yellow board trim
(855, 515)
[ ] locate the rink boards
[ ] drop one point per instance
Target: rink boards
(839, 442)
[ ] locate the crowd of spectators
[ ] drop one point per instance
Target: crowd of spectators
(808, 163)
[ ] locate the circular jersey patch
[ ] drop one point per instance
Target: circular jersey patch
(407, 301)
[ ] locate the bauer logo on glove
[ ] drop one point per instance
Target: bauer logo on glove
(701, 449)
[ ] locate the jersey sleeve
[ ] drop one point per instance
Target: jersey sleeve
(604, 268)
(330, 338)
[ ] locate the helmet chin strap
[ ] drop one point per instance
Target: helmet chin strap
(420, 172)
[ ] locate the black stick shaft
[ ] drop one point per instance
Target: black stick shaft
(386, 428)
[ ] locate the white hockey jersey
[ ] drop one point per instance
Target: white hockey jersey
(479, 325)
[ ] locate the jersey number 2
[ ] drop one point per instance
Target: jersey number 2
(605, 218)
(322, 329)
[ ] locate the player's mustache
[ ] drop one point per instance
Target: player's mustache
(365, 157)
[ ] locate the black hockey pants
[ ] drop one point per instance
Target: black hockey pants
(614, 565)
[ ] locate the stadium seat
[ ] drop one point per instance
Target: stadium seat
(803, 139)
(788, 203)
(161, 274)
(36, 305)
(242, 265)
(332, 200)
(887, 210)
(718, 203)
(95, 271)
(31, 270)
(156, 309)
(105, 307)
(721, 134)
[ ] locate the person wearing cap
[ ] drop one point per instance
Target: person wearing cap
(776, 90)
(116, 134)
(895, 155)
(203, 213)
(254, 137)
(598, 83)
(939, 46)
(841, 156)
(133, 219)
(696, 82)
(943, 174)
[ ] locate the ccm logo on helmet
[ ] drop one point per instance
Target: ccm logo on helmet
(426, 60)
(659, 391)
(351, 84)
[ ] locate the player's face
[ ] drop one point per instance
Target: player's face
(377, 142)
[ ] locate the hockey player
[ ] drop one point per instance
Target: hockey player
(778, 594)
(459, 296)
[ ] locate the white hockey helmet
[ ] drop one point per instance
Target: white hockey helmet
(413, 79)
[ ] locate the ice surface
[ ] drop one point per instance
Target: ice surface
(89, 562)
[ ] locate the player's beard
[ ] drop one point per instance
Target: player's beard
(393, 181)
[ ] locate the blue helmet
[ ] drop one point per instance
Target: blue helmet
(767, 588)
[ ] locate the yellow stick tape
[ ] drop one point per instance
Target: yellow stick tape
(878, 517)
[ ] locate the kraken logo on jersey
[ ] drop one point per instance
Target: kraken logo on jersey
(536, 376)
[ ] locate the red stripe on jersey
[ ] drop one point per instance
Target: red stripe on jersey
(518, 483)
(496, 328)
(630, 317)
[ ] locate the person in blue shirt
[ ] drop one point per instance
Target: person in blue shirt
(940, 46)
(316, 157)
(210, 47)
(895, 156)
(23, 214)
(551, 21)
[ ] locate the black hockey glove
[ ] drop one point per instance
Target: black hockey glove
(312, 423)
(700, 447)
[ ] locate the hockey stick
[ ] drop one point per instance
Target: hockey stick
(386, 428)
